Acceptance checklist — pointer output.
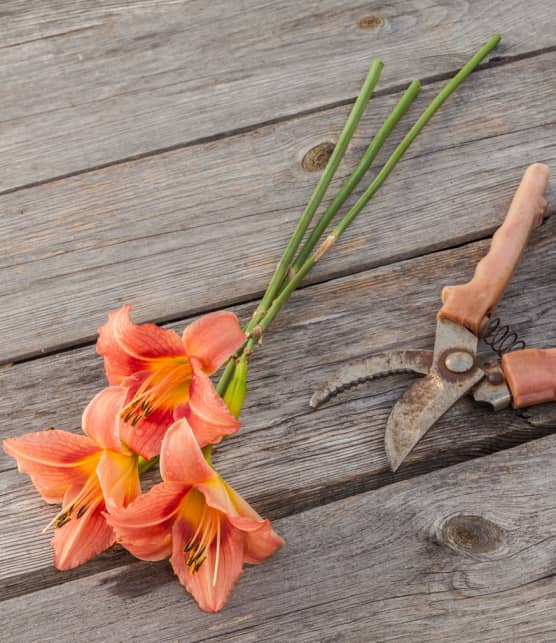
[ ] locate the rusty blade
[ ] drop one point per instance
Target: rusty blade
(379, 365)
(428, 399)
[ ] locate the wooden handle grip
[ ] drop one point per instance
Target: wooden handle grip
(469, 303)
(531, 376)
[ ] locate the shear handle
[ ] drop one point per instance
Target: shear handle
(468, 304)
(531, 376)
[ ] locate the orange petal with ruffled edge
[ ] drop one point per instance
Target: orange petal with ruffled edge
(87, 532)
(118, 475)
(101, 419)
(213, 582)
(128, 347)
(145, 527)
(56, 460)
(261, 541)
(181, 458)
(206, 412)
(213, 338)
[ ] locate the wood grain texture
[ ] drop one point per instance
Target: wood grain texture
(286, 457)
(89, 83)
(464, 554)
(201, 228)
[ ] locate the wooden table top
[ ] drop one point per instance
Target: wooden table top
(155, 153)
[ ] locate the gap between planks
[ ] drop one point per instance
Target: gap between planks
(75, 249)
(128, 79)
(454, 555)
(253, 298)
(495, 61)
(330, 454)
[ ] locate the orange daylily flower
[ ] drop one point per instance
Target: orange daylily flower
(196, 518)
(88, 474)
(167, 376)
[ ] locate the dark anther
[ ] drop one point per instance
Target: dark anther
(199, 554)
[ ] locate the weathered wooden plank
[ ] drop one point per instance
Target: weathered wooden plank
(85, 84)
(201, 228)
(287, 458)
(464, 554)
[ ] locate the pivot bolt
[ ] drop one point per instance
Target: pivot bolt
(459, 362)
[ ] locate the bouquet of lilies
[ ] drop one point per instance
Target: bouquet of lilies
(161, 408)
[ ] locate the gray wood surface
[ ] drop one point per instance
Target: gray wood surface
(90, 83)
(201, 228)
(152, 153)
(287, 457)
(465, 554)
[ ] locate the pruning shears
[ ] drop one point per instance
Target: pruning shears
(452, 369)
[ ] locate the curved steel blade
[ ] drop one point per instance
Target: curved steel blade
(428, 399)
(379, 365)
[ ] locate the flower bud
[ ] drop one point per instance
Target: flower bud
(235, 393)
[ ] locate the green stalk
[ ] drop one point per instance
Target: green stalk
(260, 325)
(319, 191)
(425, 117)
(144, 465)
(207, 453)
(325, 246)
(281, 269)
(347, 188)
(226, 377)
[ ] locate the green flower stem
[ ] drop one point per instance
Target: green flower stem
(145, 465)
(260, 321)
(319, 191)
(325, 246)
(347, 188)
(226, 377)
(425, 117)
(282, 268)
(207, 453)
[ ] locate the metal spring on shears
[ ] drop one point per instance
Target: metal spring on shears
(501, 338)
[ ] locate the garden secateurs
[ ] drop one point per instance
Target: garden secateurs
(452, 369)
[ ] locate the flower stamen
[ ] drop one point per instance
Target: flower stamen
(80, 503)
(196, 547)
(156, 388)
(215, 575)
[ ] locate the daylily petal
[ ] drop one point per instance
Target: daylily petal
(212, 584)
(146, 438)
(181, 458)
(213, 338)
(82, 537)
(261, 541)
(207, 413)
(56, 460)
(101, 418)
(216, 495)
(118, 475)
(126, 346)
(145, 526)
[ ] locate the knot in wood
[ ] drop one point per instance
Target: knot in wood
(471, 535)
(317, 157)
(370, 22)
